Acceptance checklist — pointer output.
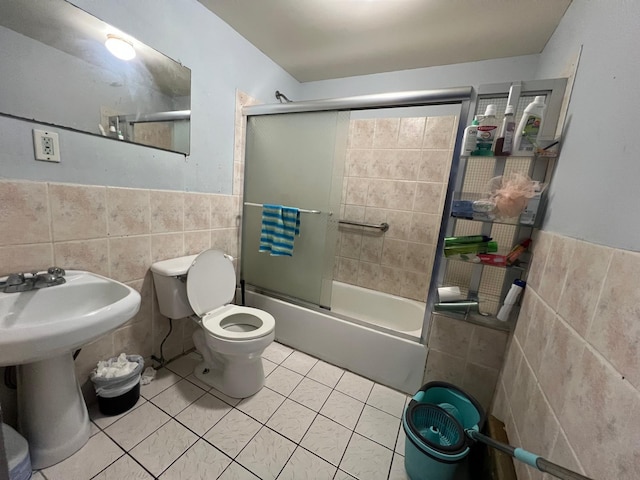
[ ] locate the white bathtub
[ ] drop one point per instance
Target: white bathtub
(383, 357)
(391, 313)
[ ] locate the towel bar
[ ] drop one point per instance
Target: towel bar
(301, 210)
(382, 227)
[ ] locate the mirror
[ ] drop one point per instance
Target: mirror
(55, 69)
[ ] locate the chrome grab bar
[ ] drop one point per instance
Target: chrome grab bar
(382, 227)
(301, 210)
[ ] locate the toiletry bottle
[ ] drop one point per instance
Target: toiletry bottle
(518, 250)
(487, 130)
(504, 142)
(526, 137)
(510, 299)
(469, 138)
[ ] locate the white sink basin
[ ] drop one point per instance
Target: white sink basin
(38, 331)
(42, 323)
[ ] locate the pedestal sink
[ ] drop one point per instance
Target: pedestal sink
(39, 330)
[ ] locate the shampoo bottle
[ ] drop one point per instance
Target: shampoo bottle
(487, 131)
(526, 138)
(504, 142)
(469, 138)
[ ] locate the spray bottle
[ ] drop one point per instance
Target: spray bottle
(487, 131)
(526, 138)
(504, 142)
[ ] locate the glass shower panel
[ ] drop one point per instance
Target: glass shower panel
(295, 160)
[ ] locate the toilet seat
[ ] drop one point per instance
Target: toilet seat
(230, 323)
(211, 284)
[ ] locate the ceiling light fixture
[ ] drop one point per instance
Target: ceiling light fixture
(120, 47)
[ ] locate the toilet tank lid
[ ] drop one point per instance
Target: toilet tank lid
(174, 266)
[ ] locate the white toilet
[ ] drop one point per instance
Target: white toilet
(231, 338)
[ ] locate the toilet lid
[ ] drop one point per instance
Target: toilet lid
(211, 282)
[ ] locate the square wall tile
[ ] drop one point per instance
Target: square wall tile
(444, 367)
(25, 213)
(596, 413)
(130, 257)
(615, 329)
(585, 277)
(167, 211)
(450, 335)
(386, 132)
(89, 255)
(78, 211)
(197, 211)
(411, 132)
(25, 258)
(555, 271)
(166, 246)
(129, 211)
(486, 347)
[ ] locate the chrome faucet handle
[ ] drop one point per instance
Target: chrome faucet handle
(15, 279)
(57, 271)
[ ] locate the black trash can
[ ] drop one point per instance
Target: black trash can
(118, 394)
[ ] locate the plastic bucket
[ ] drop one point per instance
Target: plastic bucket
(425, 461)
(117, 395)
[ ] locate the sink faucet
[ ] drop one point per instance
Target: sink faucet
(18, 282)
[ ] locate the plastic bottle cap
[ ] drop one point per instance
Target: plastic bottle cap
(491, 110)
(508, 110)
(539, 99)
(520, 283)
(475, 121)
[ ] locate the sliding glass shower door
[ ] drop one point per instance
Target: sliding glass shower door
(295, 160)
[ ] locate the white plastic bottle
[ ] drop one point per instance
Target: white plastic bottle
(487, 132)
(504, 141)
(526, 137)
(469, 138)
(510, 299)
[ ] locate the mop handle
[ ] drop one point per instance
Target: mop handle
(529, 458)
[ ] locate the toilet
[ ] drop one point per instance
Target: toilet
(231, 338)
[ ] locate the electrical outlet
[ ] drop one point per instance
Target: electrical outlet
(46, 145)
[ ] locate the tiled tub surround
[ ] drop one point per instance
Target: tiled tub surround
(570, 388)
(312, 420)
(119, 233)
(396, 172)
(469, 356)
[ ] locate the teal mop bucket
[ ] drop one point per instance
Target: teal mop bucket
(435, 422)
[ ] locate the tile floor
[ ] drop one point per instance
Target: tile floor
(311, 421)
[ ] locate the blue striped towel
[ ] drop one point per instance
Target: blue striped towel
(280, 225)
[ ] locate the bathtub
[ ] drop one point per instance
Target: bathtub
(371, 351)
(368, 307)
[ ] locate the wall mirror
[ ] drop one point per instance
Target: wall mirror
(56, 69)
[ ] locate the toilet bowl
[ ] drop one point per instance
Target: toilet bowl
(230, 338)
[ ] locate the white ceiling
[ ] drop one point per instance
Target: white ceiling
(323, 39)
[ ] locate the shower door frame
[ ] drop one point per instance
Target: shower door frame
(463, 96)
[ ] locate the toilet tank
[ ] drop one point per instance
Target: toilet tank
(169, 279)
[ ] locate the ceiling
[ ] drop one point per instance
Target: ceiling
(323, 39)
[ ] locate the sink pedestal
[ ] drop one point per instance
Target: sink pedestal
(52, 414)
